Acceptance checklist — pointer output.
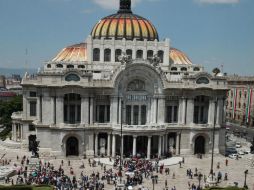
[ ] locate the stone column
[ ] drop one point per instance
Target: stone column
(154, 110)
(139, 114)
(219, 116)
(134, 150)
(91, 110)
(59, 109)
(108, 147)
(148, 112)
(161, 110)
(119, 110)
(166, 143)
(84, 110)
(113, 145)
(163, 145)
(177, 143)
(113, 110)
(21, 131)
(132, 108)
(190, 111)
(159, 147)
(211, 111)
(149, 147)
(15, 132)
(96, 145)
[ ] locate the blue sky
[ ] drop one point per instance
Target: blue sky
(211, 32)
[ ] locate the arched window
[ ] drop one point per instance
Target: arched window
(81, 66)
(183, 69)
(161, 56)
(196, 69)
(129, 53)
(118, 53)
(72, 108)
(70, 66)
(96, 54)
(48, 65)
(239, 105)
(139, 54)
(59, 66)
(149, 54)
(173, 69)
(107, 55)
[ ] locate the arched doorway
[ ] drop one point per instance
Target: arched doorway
(199, 145)
(72, 147)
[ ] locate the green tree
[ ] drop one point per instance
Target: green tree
(216, 71)
(6, 110)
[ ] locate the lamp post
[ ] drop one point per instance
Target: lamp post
(245, 176)
(121, 149)
(214, 123)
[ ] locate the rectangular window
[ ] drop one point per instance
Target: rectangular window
(65, 113)
(143, 115)
(33, 108)
(108, 113)
(32, 94)
(31, 128)
(128, 115)
(175, 114)
(169, 114)
(79, 113)
(101, 114)
(72, 114)
(196, 114)
(135, 115)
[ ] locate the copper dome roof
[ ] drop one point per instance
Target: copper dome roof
(73, 53)
(125, 24)
(178, 57)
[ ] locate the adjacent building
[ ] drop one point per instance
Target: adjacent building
(122, 80)
(240, 100)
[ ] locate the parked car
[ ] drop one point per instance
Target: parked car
(230, 150)
(238, 145)
(240, 152)
(234, 156)
(246, 151)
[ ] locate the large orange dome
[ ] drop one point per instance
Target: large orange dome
(126, 25)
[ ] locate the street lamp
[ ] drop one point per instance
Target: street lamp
(245, 176)
(121, 149)
(214, 123)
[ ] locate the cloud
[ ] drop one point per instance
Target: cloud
(218, 1)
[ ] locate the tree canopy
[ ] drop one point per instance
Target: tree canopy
(6, 110)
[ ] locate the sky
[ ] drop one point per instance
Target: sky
(211, 32)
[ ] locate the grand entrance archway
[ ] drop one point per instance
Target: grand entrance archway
(199, 145)
(72, 148)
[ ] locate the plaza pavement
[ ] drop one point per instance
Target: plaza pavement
(235, 170)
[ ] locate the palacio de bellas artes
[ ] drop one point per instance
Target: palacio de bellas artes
(125, 91)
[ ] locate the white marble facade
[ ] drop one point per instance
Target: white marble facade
(76, 106)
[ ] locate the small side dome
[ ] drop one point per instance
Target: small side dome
(178, 57)
(74, 53)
